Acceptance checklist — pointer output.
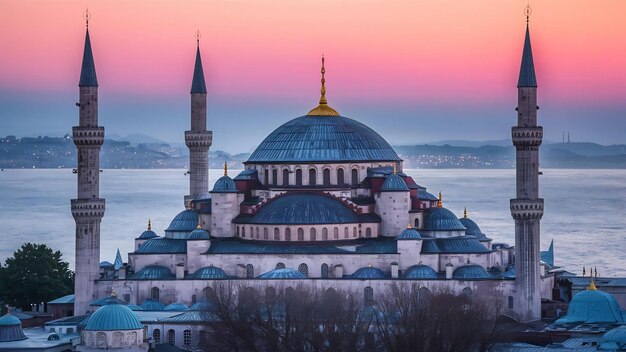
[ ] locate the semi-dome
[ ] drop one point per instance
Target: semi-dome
(441, 219)
(152, 304)
(310, 139)
(472, 228)
(368, 272)
(153, 272)
(209, 273)
(224, 184)
(394, 183)
(202, 306)
(593, 306)
(470, 272)
(147, 235)
(113, 317)
(198, 234)
(186, 220)
(409, 234)
(11, 329)
(176, 306)
(420, 271)
(284, 273)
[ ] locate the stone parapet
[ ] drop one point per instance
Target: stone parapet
(88, 136)
(198, 139)
(527, 136)
(88, 208)
(527, 209)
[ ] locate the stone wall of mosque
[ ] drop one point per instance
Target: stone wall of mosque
(128, 340)
(295, 233)
(224, 208)
(393, 208)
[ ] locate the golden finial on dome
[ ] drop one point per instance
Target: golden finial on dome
(439, 202)
(323, 109)
(465, 213)
(225, 168)
(592, 285)
(149, 225)
(198, 226)
(409, 226)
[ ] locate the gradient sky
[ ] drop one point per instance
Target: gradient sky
(416, 71)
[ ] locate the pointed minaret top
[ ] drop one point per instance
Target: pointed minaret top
(197, 84)
(527, 76)
(88, 70)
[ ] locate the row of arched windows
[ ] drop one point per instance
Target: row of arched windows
(171, 336)
(341, 180)
(255, 232)
(302, 268)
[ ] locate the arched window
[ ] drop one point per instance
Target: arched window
(324, 271)
(340, 180)
(238, 231)
(270, 295)
(467, 294)
(287, 234)
(354, 232)
(280, 265)
(101, 340)
(251, 232)
(326, 177)
(510, 302)
(336, 233)
(285, 177)
(154, 293)
(345, 232)
(300, 234)
(171, 337)
(417, 223)
(368, 294)
(257, 232)
(249, 271)
(299, 177)
(274, 177)
(156, 335)
(312, 177)
(276, 234)
(243, 231)
(194, 299)
(69, 331)
(118, 339)
(324, 234)
(209, 294)
(265, 233)
(355, 177)
(368, 232)
(312, 234)
(267, 176)
(187, 337)
(304, 269)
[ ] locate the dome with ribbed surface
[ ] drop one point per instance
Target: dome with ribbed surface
(176, 306)
(147, 235)
(202, 306)
(441, 219)
(323, 139)
(209, 273)
(11, 329)
(593, 306)
(153, 272)
(420, 271)
(224, 184)
(394, 183)
(152, 304)
(284, 273)
(409, 234)
(368, 272)
(113, 317)
(470, 272)
(614, 339)
(186, 220)
(198, 234)
(472, 228)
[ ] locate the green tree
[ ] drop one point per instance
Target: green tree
(34, 274)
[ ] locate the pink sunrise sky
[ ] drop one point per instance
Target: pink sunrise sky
(380, 54)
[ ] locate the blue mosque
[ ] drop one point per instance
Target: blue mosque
(323, 202)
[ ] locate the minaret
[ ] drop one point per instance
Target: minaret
(88, 207)
(527, 207)
(198, 139)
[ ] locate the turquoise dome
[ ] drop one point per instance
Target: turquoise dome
(199, 234)
(409, 234)
(420, 271)
(368, 272)
(470, 272)
(208, 273)
(113, 317)
(593, 306)
(309, 139)
(202, 306)
(285, 273)
(472, 228)
(441, 219)
(394, 183)
(614, 339)
(133, 307)
(153, 272)
(152, 304)
(147, 235)
(186, 220)
(9, 320)
(224, 184)
(11, 329)
(176, 306)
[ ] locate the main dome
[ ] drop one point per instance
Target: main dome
(322, 139)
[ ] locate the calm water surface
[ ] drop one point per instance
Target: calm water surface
(585, 210)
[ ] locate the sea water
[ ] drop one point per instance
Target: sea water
(585, 210)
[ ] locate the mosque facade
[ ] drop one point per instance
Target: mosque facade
(323, 201)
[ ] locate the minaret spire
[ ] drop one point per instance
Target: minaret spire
(323, 109)
(88, 70)
(527, 76)
(198, 85)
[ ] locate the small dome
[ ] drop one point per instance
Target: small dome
(202, 306)
(11, 329)
(614, 339)
(285, 273)
(152, 304)
(420, 272)
(472, 228)
(147, 235)
(186, 220)
(470, 272)
(224, 184)
(368, 272)
(106, 300)
(9, 320)
(176, 306)
(208, 273)
(199, 234)
(394, 183)
(593, 306)
(153, 272)
(441, 219)
(409, 234)
(113, 317)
